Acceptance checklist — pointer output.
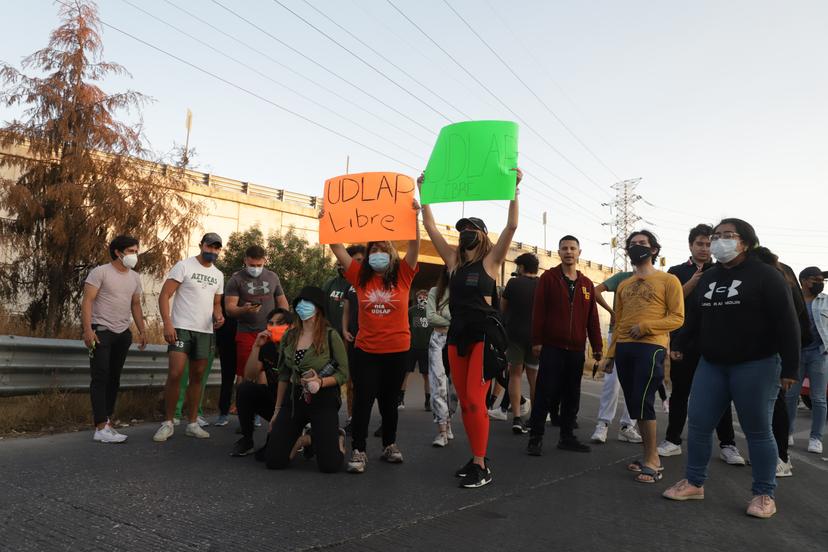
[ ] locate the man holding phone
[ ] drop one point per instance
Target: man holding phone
(251, 294)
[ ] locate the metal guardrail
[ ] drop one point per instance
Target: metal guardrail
(29, 365)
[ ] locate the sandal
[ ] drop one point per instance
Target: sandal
(653, 475)
(637, 465)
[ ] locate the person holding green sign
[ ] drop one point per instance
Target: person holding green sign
(473, 268)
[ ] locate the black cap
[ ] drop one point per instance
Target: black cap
(211, 238)
(313, 294)
(473, 221)
(812, 271)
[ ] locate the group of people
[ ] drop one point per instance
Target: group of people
(742, 330)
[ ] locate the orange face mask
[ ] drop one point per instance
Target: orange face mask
(277, 332)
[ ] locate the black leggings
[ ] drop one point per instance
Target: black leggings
(376, 376)
(251, 399)
(781, 425)
(322, 413)
(226, 344)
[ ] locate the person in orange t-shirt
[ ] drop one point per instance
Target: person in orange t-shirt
(382, 285)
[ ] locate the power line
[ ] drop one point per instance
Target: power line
(530, 53)
(255, 95)
(382, 74)
(297, 73)
(537, 97)
(495, 96)
(264, 75)
(343, 79)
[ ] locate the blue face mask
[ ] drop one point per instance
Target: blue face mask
(305, 309)
(208, 256)
(379, 261)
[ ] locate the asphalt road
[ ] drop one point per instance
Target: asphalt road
(65, 492)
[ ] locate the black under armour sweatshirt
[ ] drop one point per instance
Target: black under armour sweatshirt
(741, 314)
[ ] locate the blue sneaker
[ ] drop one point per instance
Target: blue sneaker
(222, 420)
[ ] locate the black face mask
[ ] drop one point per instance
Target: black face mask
(639, 254)
(816, 289)
(468, 239)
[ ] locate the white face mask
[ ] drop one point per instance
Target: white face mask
(255, 271)
(725, 250)
(130, 261)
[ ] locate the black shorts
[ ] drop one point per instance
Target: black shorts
(640, 370)
(418, 358)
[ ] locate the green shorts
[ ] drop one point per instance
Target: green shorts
(196, 345)
(521, 354)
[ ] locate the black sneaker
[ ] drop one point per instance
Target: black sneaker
(573, 444)
(464, 470)
(378, 432)
(476, 477)
(243, 447)
(535, 446)
(518, 427)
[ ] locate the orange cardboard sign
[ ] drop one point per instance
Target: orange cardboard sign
(368, 207)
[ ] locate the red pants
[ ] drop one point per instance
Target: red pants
(244, 344)
(467, 375)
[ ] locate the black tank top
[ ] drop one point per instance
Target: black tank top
(468, 288)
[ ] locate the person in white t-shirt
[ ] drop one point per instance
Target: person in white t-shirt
(188, 328)
(111, 298)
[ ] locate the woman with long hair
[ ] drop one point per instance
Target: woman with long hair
(312, 366)
(473, 266)
(382, 285)
(742, 318)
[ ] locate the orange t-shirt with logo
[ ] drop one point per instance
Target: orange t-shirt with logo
(383, 313)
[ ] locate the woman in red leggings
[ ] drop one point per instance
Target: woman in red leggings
(473, 267)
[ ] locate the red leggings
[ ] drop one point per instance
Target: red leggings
(467, 375)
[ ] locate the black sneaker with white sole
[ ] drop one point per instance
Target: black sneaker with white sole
(464, 470)
(518, 427)
(476, 477)
(242, 447)
(573, 444)
(535, 446)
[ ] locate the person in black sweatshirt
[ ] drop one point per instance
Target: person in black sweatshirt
(742, 320)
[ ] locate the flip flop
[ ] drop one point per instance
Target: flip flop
(637, 465)
(654, 475)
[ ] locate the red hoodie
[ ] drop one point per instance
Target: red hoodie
(559, 322)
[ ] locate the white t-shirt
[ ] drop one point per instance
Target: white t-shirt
(192, 307)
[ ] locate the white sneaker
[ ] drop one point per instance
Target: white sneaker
(164, 432)
(449, 432)
(108, 435)
(497, 414)
(790, 440)
(194, 430)
(441, 440)
(176, 422)
(783, 469)
(665, 406)
(815, 445)
(202, 422)
(629, 434)
(600, 433)
(358, 462)
(730, 454)
(525, 408)
(666, 448)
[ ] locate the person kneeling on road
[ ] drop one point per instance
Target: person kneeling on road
(255, 396)
(312, 366)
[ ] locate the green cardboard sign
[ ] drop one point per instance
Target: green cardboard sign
(472, 161)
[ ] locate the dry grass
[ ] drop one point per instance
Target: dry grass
(57, 411)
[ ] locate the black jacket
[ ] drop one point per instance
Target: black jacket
(742, 314)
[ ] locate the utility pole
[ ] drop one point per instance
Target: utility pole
(544, 232)
(188, 123)
(623, 221)
(348, 164)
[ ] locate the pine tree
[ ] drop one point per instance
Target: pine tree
(86, 175)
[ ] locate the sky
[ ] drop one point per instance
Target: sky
(718, 107)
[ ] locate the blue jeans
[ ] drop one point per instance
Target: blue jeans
(753, 387)
(814, 365)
